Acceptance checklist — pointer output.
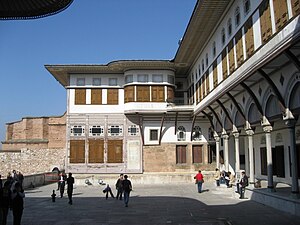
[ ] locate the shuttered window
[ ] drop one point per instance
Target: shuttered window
(129, 94)
(231, 57)
(281, 13)
(215, 74)
(180, 154)
(158, 93)
(143, 93)
(239, 48)
(96, 96)
(248, 27)
(197, 154)
(265, 21)
(80, 96)
(170, 94)
(113, 96)
(114, 151)
(224, 64)
(77, 151)
(96, 151)
(295, 7)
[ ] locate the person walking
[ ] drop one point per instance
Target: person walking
(17, 203)
(119, 187)
(127, 188)
(242, 185)
(199, 181)
(70, 182)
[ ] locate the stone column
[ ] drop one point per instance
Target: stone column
(293, 152)
(217, 138)
(267, 130)
(251, 156)
(236, 135)
(226, 149)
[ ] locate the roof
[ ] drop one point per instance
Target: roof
(31, 9)
(205, 18)
(62, 72)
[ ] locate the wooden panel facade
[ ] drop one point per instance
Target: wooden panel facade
(96, 96)
(158, 93)
(281, 13)
(249, 38)
(77, 151)
(181, 154)
(114, 151)
(96, 151)
(129, 94)
(80, 96)
(197, 154)
(295, 7)
(143, 93)
(113, 96)
(265, 21)
(239, 48)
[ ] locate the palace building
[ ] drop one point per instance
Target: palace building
(230, 98)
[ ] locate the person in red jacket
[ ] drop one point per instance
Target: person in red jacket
(199, 180)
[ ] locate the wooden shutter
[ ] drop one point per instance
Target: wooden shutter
(158, 93)
(281, 13)
(224, 64)
(129, 94)
(170, 94)
(96, 151)
(96, 96)
(231, 57)
(77, 151)
(263, 161)
(265, 21)
(143, 93)
(113, 96)
(239, 48)
(215, 74)
(180, 154)
(114, 151)
(197, 154)
(248, 27)
(295, 7)
(80, 96)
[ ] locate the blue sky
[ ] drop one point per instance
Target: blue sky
(88, 32)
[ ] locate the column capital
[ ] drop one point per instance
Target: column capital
(217, 138)
(225, 136)
(236, 134)
(267, 129)
(249, 132)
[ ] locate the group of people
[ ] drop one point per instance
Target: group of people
(63, 180)
(224, 177)
(11, 197)
(123, 186)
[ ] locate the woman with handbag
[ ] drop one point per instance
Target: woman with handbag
(199, 181)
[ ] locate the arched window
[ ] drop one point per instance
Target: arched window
(223, 35)
(206, 60)
(229, 27)
(237, 16)
(214, 49)
(247, 7)
(197, 134)
(181, 134)
(202, 65)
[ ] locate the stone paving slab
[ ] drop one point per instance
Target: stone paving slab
(178, 204)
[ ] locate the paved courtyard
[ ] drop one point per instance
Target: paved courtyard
(149, 204)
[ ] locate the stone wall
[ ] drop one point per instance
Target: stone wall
(31, 161)
(36, 133)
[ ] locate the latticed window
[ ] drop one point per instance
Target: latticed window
(181, 133)
(133, 130)
(96, 130)
(115, 130)
(77, 130)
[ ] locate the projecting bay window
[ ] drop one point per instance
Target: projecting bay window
(129, 94)
(158, 93)
(143, 93)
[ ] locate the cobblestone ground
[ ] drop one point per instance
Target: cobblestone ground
(149, 204)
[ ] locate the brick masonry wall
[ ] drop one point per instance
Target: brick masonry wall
(30, 161)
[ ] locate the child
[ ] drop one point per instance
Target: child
(53, 196)
(108, 189)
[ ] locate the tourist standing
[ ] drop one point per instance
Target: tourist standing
(17, 203)
(242, 185)
(127, 188)
(217, 177)
(5, 200)
(199, 181)
(70, 182)
(119, 187)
